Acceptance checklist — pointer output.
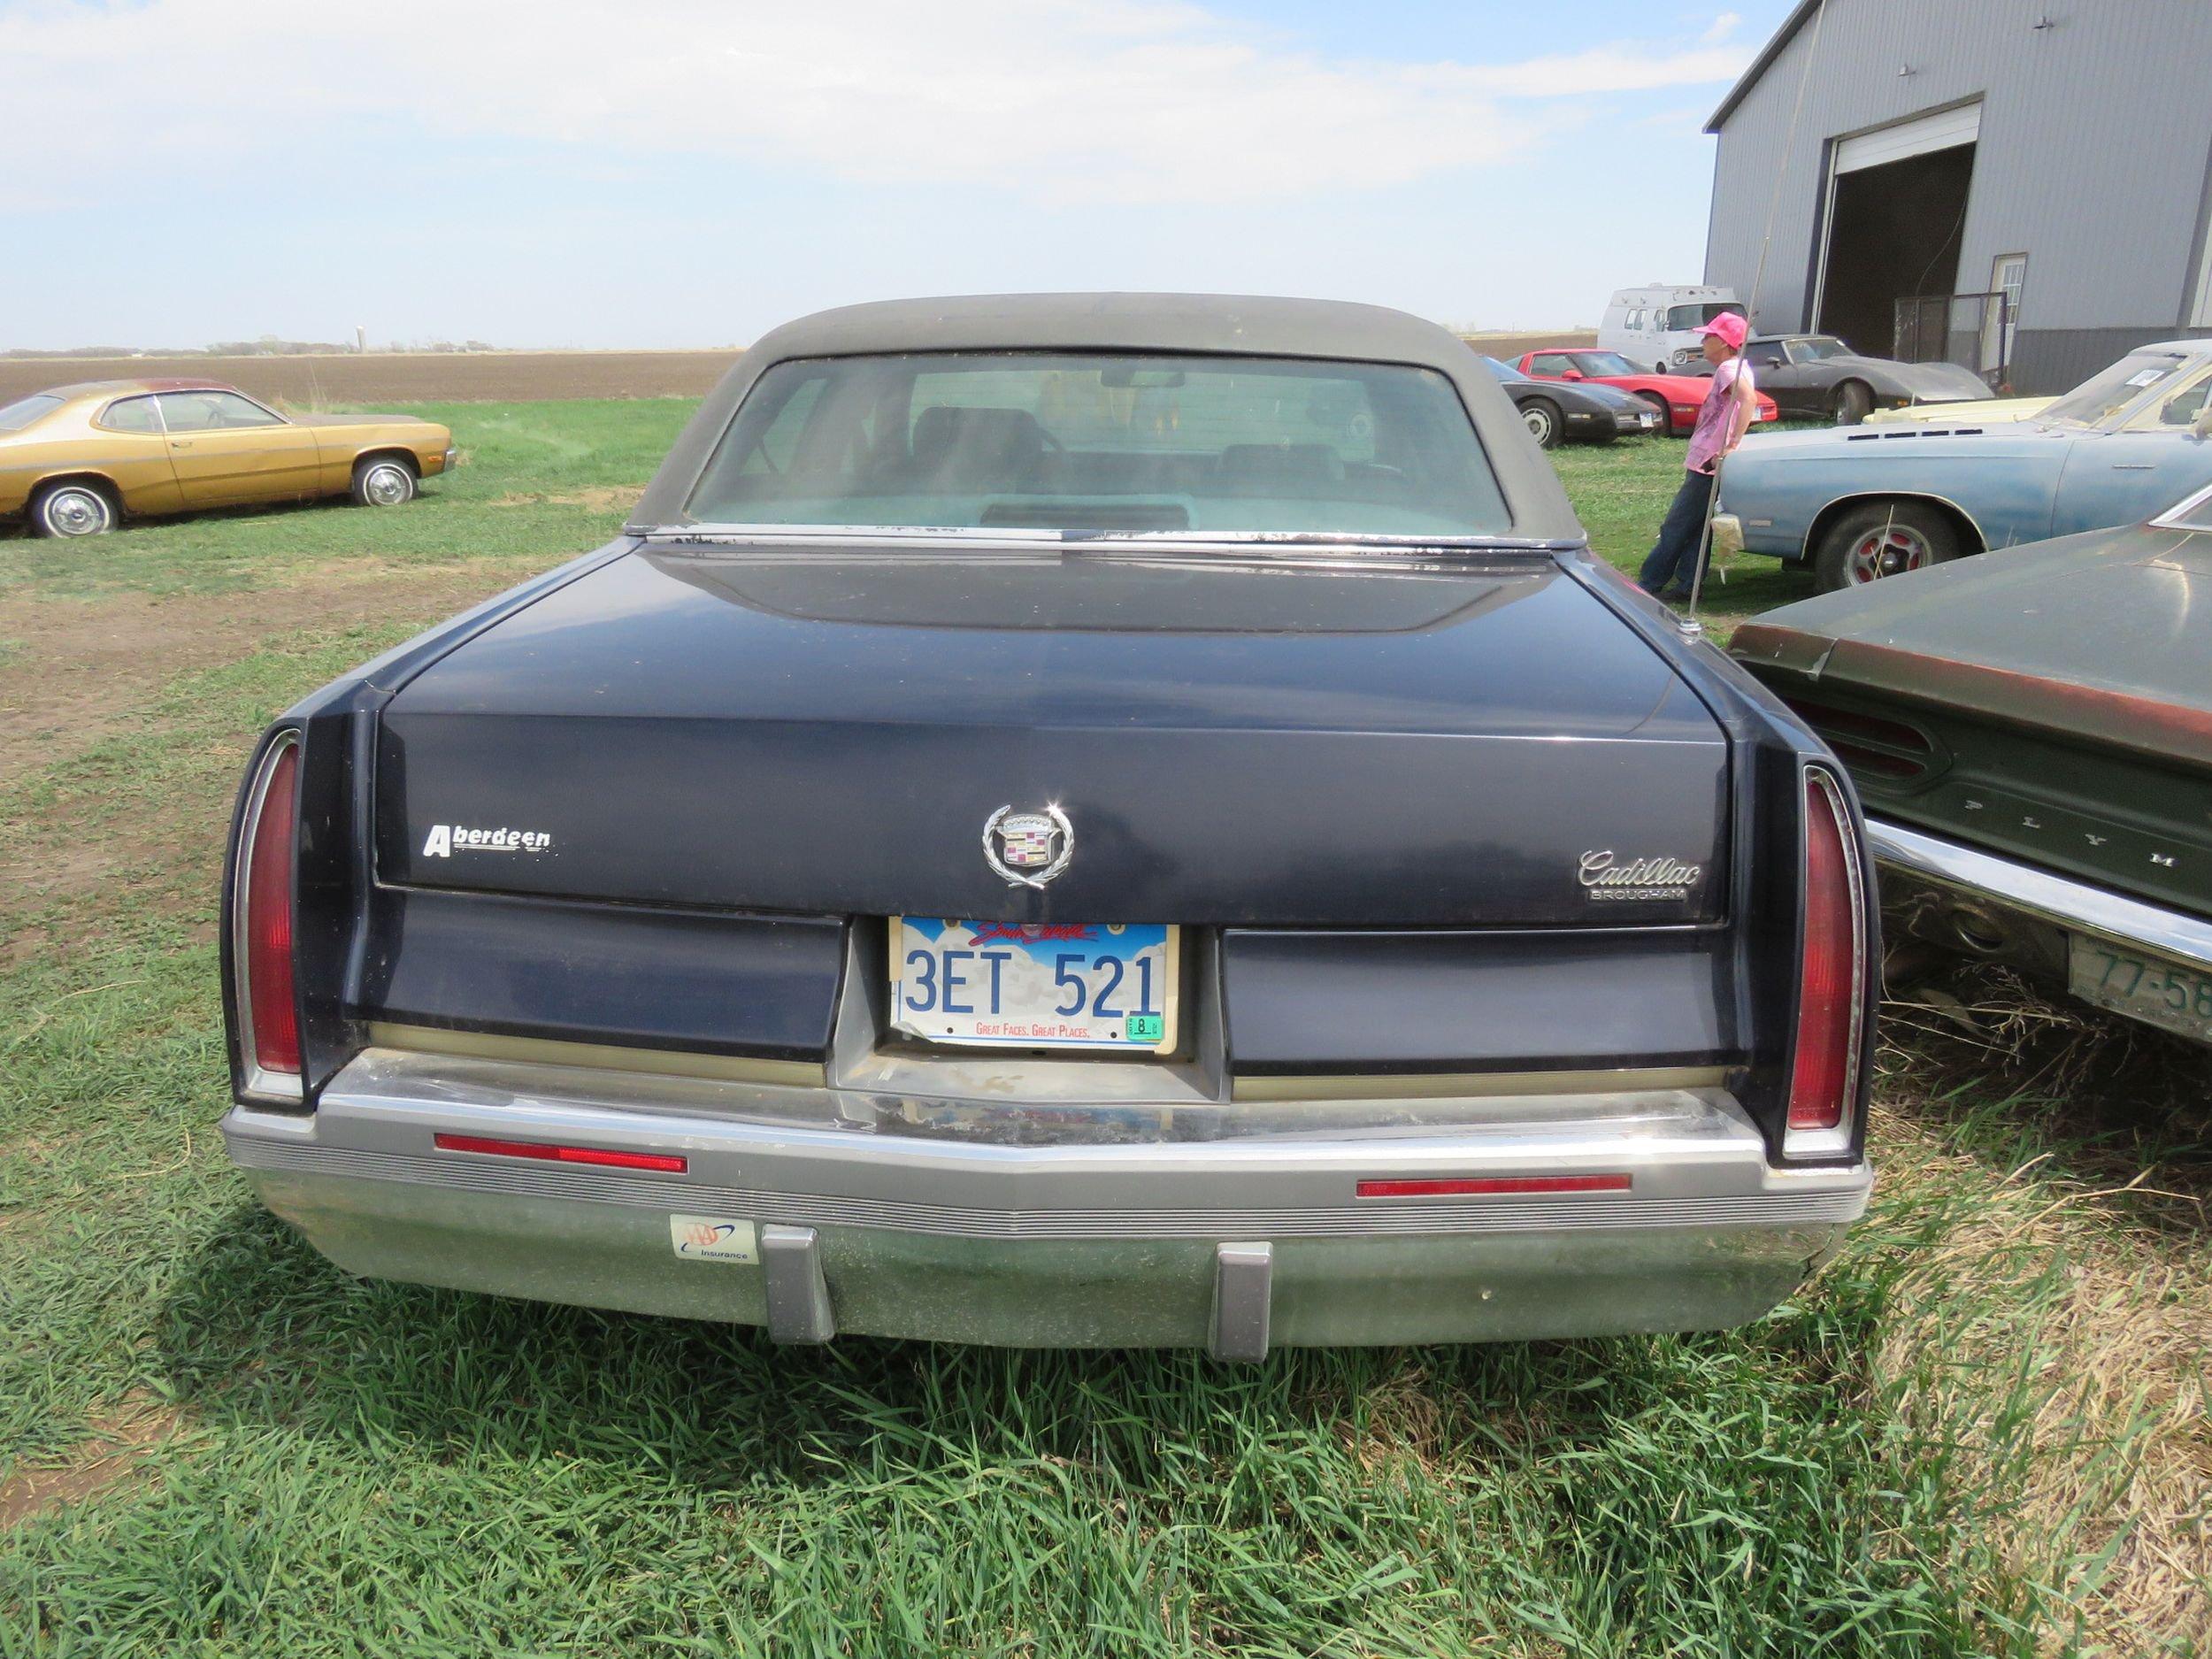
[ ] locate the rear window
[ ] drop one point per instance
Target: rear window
(1105, 442)
(16, 416)
(131, 414)
(1681, 316)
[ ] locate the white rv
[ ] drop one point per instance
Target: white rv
(1651, 325)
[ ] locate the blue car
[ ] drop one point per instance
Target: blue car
(1068, 821)
(1861, 503)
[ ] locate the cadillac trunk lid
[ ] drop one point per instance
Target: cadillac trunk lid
(1233, 741)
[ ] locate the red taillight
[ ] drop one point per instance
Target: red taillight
(273, 1028)
(1822, 1078)
(552, 1153)
(1489, 1185)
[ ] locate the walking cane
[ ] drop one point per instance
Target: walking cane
(1690, 624)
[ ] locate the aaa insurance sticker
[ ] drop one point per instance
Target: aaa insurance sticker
(713, 1239)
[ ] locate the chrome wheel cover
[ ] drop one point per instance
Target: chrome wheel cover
(386, 484)
(1539, 423)
(76, 511)
(1889, 551)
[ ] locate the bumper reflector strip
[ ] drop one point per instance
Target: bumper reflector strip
(1491, 1186)
(564, 1155)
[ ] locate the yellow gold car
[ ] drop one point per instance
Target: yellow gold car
(1987, 411)
(76, 460)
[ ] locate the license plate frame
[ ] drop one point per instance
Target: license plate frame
(1021, 1021)
(2142, 985)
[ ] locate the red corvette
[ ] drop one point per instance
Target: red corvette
(1675, 395)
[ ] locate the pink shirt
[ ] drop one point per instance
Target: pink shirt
(1716, 412)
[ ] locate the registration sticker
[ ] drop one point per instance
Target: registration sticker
(714, 1239)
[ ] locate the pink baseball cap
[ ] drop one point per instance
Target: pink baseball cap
(1731, 327)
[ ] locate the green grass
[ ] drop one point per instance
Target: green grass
(1903, 1460)
(1622, 490)
(513, 458)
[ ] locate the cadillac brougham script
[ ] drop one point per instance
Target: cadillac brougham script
(1604, 877)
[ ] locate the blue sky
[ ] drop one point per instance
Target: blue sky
(674, 173)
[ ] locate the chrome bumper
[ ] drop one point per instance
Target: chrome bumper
(1948, 891)
(1237, 1244)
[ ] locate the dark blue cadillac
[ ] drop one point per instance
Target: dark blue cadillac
(1067, 820)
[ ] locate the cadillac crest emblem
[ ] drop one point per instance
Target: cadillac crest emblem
(1028, 849)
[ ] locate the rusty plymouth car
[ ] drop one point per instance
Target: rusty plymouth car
(1067, 820)
(2034, 739)
(76, 460)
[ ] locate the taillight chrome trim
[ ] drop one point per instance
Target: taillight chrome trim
(1834, 1142)
(257, 1082)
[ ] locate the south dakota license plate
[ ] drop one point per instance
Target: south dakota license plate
(1047, 985)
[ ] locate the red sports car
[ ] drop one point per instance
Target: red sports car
(1675, 395)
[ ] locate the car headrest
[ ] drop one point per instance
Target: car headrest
(982, 445)
(1280, 463)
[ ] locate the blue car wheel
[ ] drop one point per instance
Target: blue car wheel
(1883, 538)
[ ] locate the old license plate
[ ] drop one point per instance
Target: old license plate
(1054, 984)
(2144, 987)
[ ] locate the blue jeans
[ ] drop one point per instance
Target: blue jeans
(1672, 561)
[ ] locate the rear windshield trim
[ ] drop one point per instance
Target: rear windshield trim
(902, 537)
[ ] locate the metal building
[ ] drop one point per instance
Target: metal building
(2018, 186)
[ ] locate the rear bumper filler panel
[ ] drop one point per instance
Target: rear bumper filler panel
(1233, 1244)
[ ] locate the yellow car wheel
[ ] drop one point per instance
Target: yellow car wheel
(73, 510)
(383, 480)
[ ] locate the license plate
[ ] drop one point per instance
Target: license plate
(1050, 985)
(2144, 987)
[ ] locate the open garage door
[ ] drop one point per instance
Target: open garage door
(1896, 216)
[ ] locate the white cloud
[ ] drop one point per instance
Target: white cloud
(1049, 100)
(1721, 28)
(1601, 69)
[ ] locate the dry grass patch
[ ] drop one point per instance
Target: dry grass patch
(1399, 1421)
(78, 668)
(2057, 1331)
(615, 498)
(2102, 1445)
(122, 816)
(116, 1451)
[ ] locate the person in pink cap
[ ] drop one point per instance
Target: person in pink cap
(1731, 404)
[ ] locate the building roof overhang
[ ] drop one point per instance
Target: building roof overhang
(1759, 65)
